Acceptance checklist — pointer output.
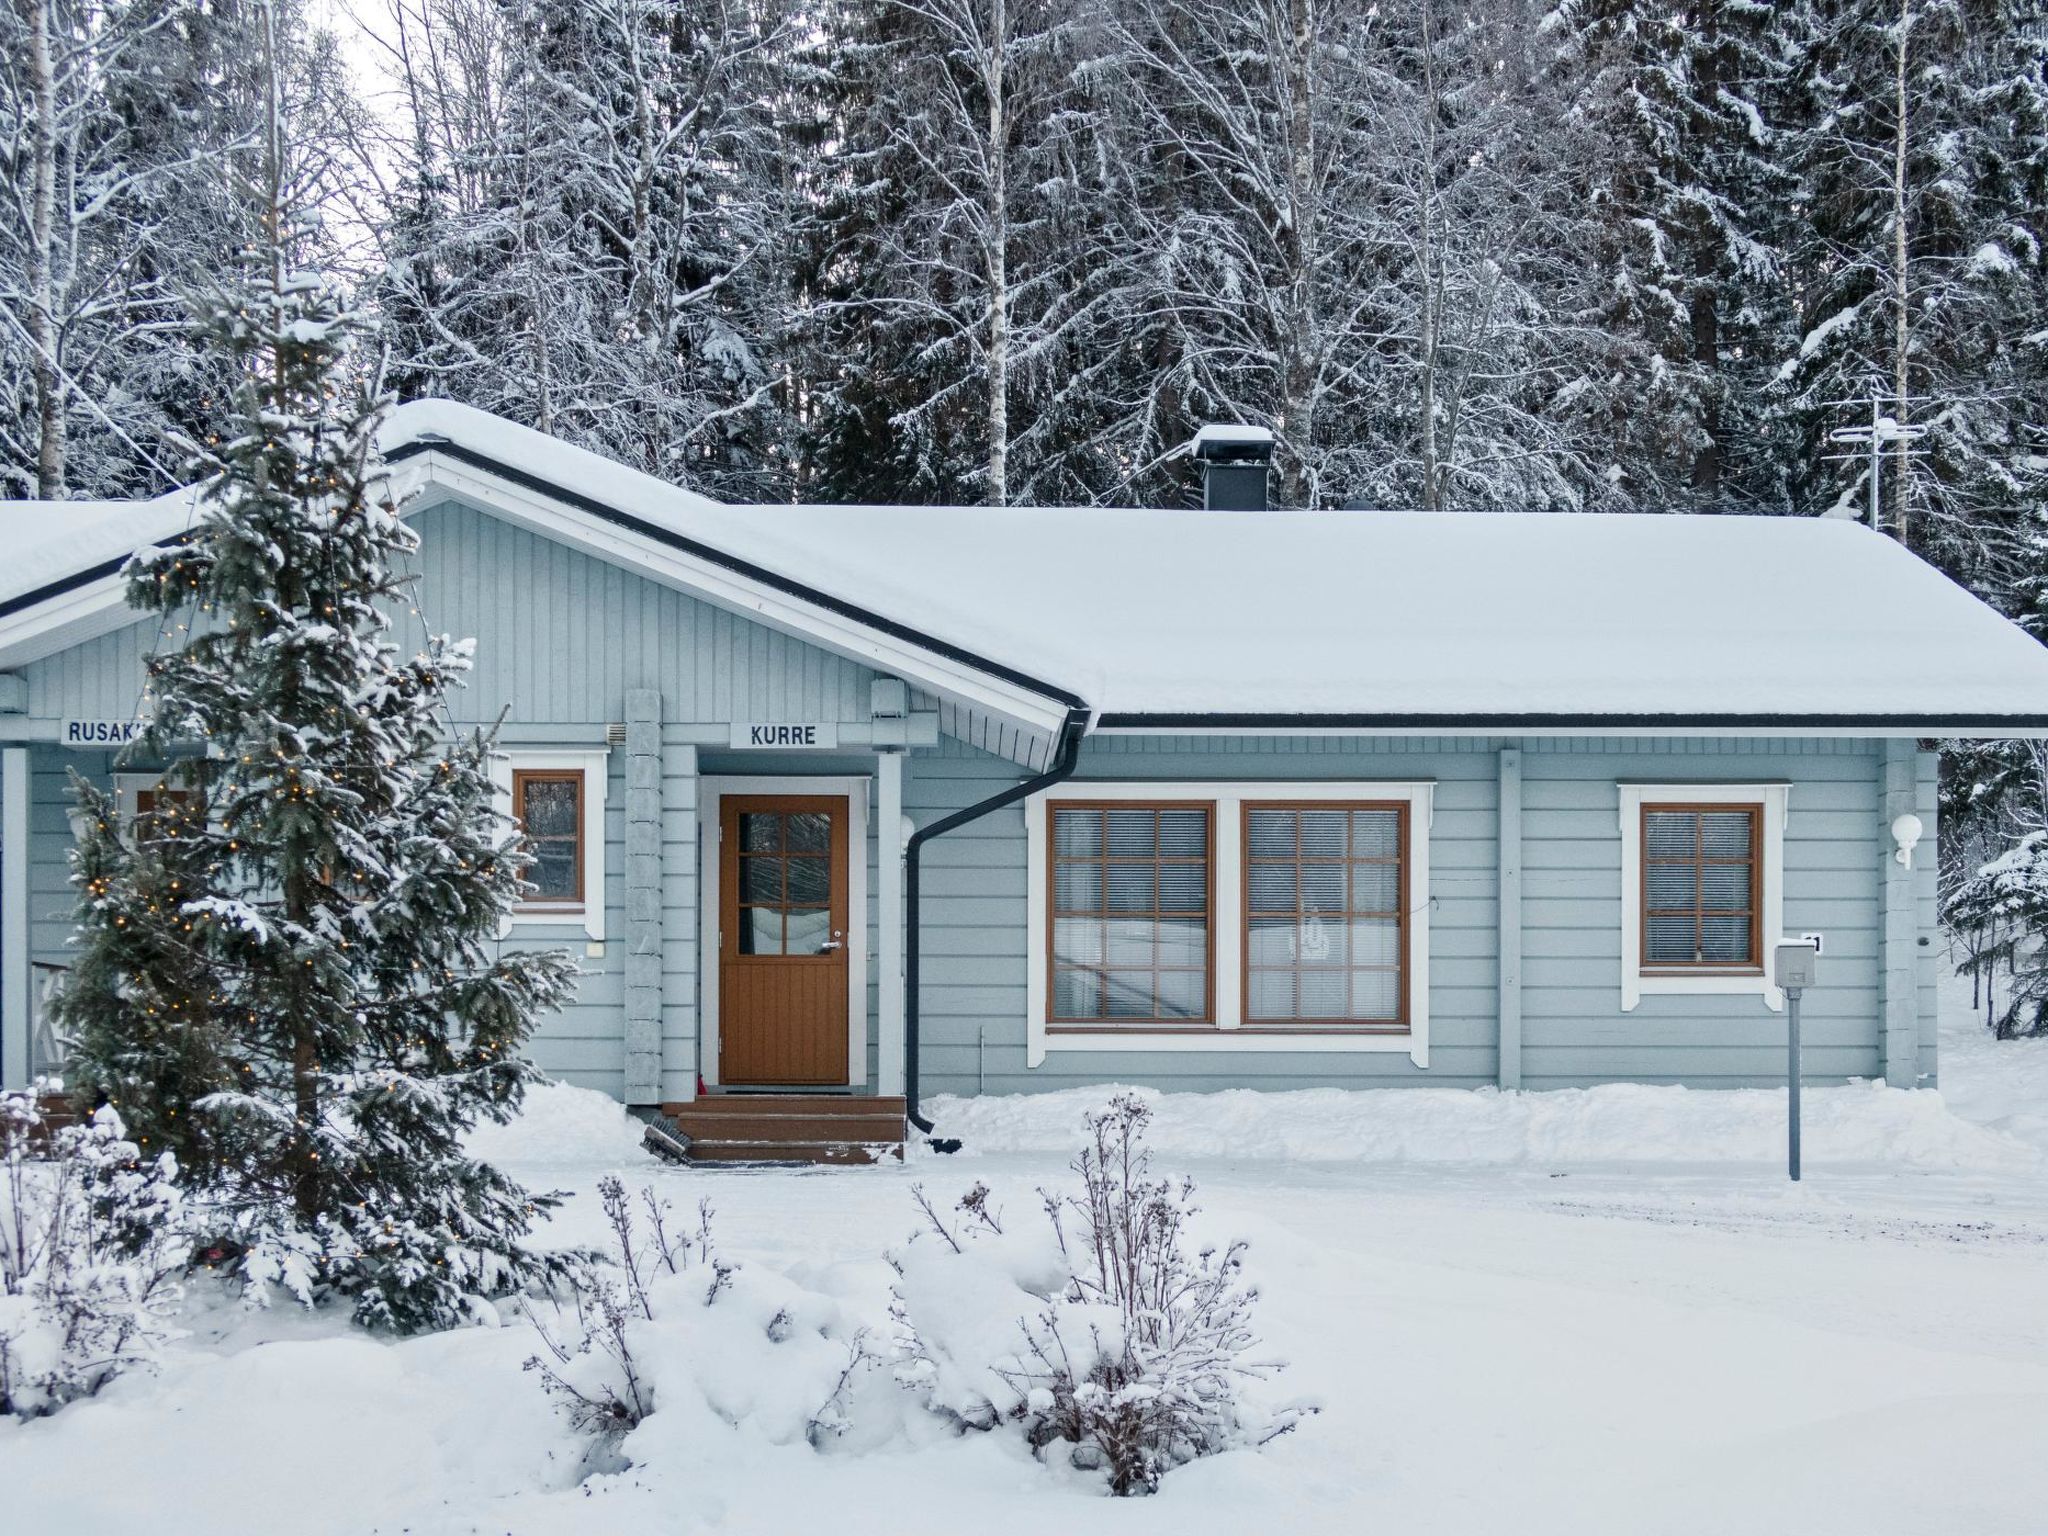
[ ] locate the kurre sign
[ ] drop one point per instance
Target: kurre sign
(786, 733)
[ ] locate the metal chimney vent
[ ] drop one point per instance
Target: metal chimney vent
(1235, 463)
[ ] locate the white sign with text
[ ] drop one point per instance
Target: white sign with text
(99, 733)
(784, 734)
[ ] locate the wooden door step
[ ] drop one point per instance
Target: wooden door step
(788, 1104)
(840, 1153)
(791, 1128)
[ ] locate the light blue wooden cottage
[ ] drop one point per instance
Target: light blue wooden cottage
(888, 802)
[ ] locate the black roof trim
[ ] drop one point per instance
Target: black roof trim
(43, 594)
(1280, 724)
(733, 563)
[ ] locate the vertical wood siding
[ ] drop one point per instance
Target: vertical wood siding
(561, 636)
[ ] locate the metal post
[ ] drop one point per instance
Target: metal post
(1794, 968)
(1792, 1075)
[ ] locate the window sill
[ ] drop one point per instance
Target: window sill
(1208, 1037)
(582, 916)
(1641, 984)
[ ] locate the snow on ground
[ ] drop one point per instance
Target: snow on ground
(2000, 1084)
(1617, 1123)
(1586, 1323)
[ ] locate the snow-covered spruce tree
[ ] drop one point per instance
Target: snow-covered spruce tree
(321, 932)
(140, 997)
(1682, 174)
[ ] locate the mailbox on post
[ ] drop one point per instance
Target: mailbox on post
(1793, 968)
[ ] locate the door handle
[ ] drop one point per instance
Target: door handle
(837, 941)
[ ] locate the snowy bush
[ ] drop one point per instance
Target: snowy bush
(1098, 1332)
(91, 1246)
(661, 1339)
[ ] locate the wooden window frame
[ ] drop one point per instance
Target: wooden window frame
(1640, 984)
(1403, 863)
(1755, 810)
(1227, 1031)
(521, 777)
(1121, 1024)
(733, 880)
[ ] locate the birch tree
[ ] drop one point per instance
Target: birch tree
(959, 253)
(120, 128)
(590, 214)
(75, 275)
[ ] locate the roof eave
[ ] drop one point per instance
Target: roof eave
(1977, 725)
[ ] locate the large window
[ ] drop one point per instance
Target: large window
(1222, 915)
(1131, 887)
(1700, 887)
(1324, 914)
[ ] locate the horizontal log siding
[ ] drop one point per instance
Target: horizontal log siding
(974, 965)
(1574, 1032)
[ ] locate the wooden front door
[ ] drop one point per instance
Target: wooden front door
(783, 927)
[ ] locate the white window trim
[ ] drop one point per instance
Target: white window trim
(1776, 801)
(1228, 1034)
(128, 788)
(710, 829)
(594, 764)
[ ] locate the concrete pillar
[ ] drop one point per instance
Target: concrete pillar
(889, 908)
(643, 896)
(17, 1003)
(1510, 838)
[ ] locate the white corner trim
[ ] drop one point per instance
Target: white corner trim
(710, 824)
(1776, 797)
(595, 766)
(1229, 1033)
(128, 788)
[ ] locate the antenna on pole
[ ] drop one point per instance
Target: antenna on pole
(1882, 433)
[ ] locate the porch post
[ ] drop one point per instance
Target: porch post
(889, 906)
(16, 995)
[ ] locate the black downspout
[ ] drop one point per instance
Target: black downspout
(1066, 753)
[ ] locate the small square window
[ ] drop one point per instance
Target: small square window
(1702, 896)
(1701, 887)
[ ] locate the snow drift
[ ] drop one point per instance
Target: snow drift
(1615, 1123)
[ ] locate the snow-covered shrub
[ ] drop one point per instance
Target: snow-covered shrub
(91, 1247)
(661, 1339)
(1100, 1333)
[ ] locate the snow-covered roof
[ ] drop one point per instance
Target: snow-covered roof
(1352, 617)
(48, 542)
